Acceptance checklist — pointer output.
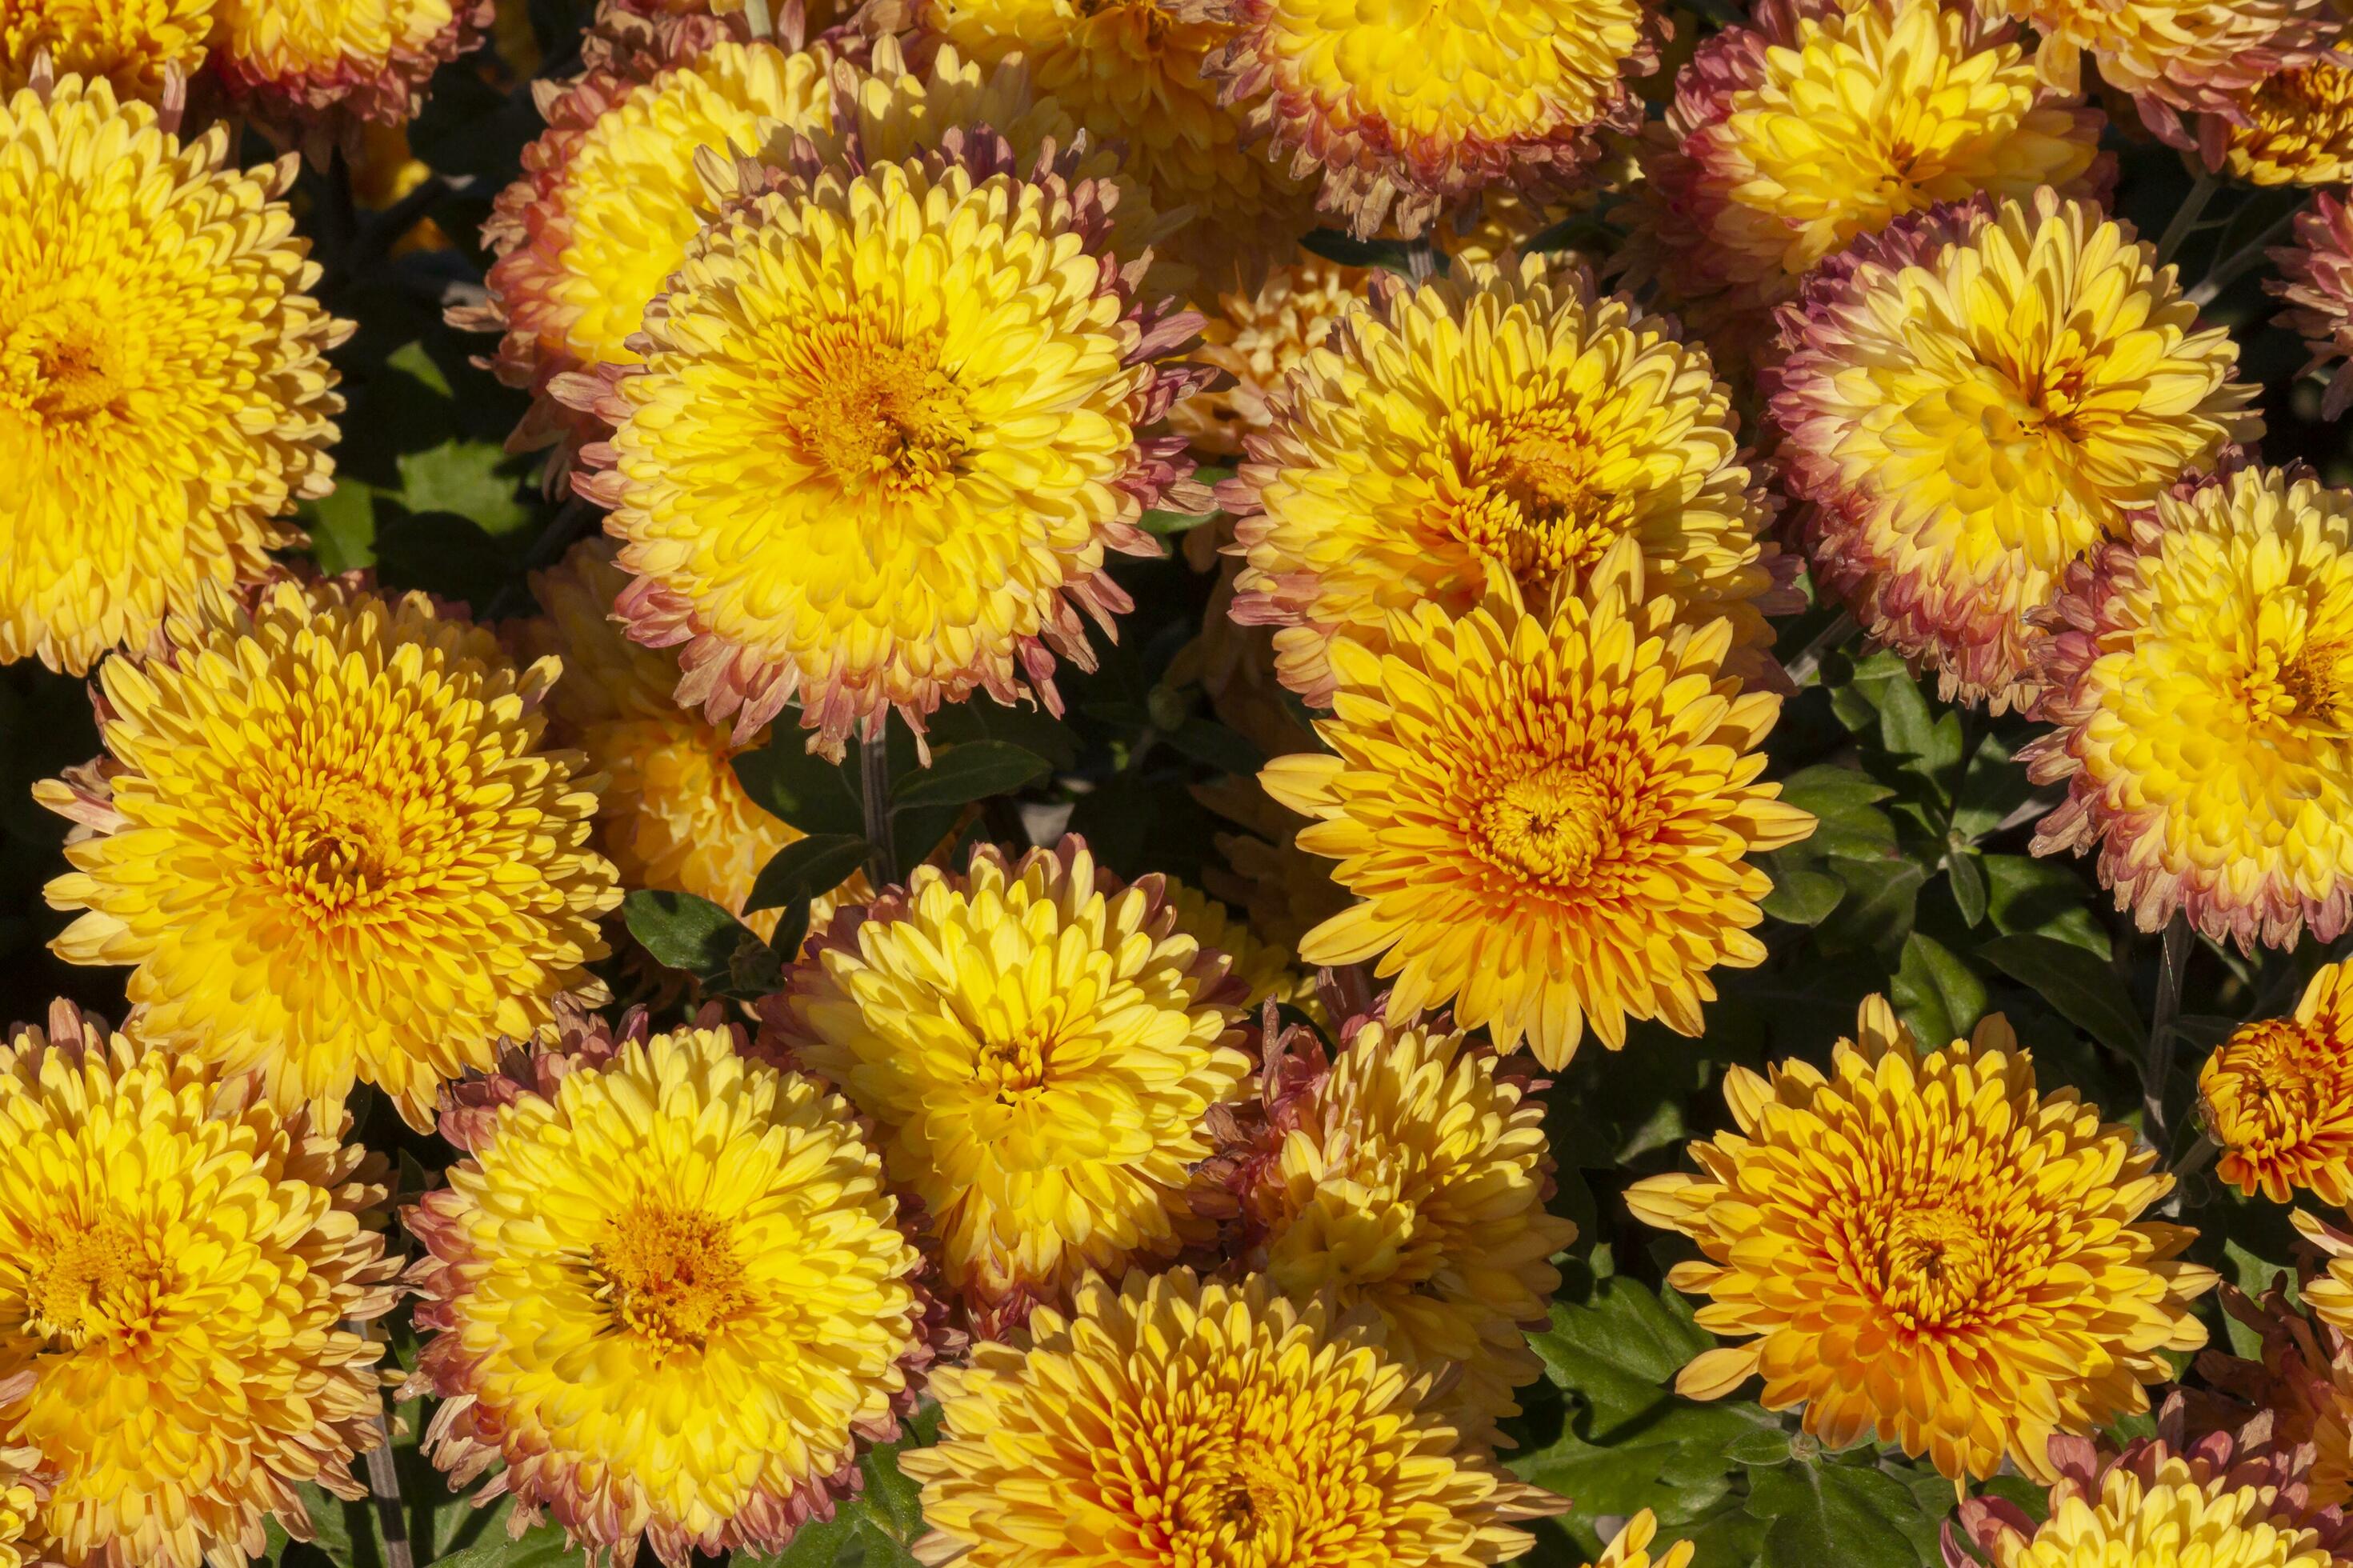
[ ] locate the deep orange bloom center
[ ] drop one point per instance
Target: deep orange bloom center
(98, 1279)
(1538, 509)
(672, 1276)
(1936, 1267)
(1552, 823)
(885, 415)
(63, 366)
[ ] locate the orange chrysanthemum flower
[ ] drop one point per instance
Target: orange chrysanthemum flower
(2296, 128)
(2278, 1097)
(2303, 1376)
(1927, 1247)
(1546, 818)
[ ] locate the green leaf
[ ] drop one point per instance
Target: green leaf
(463, 478)
(1169, 524)
(1394, 254)
(1759, 1445)
(805, 869)
(1882, 899)
(1907, 728)
(1991, 788)
(1209, 742)
(1939, 996)
(1026, 726)
(1827, 787)
(1618, 1350)
(342, 527)
(787, 780)
(1968, 880)
(439, 552)
(1671, 1461)
(683, 931)
(973, 770)
(1799, 896)
(2082, 988)
(2043, 898)
(1842, 1514)
(541, 1547)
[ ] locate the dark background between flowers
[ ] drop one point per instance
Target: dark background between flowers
(1918, 883)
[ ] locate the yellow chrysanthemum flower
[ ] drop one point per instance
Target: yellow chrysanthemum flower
(2200, 690)
(180, 1268)
(667, 1290)
(2303, 1380)
(2277, 1096)
(949, 378)
(1927, 1249)
(305, 60)
(163, 391)
(1545, 819)
(1819, 124)
(1631, 1548)
(2173, 55)
(1973, 402)
(2329, 1294)
(2164, 1502)
(2297, 127)
(673, 814)
(1413, 1181)
(609, 197)
(1176, 1421)
(328, 839)
(133, 44)
(19, 1497)
(1269, 972)
(1495, 428)
(1255, 337)
(1130, 72)
(1410, 111)
(1036, 1046)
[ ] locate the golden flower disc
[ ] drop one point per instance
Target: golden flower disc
(668, 1290)
(1926, 1249)
(1035, 1046)
(1973, 403)
(1177, 1421)
(365, 868)
(183, 1266)
(947, 381)
(2200, 687)
(1495, 428)
(163, 391)
(1545, 819)
(2278, 1097)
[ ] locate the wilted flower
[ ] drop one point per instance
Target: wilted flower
(2316, 278)
(2278, 1097)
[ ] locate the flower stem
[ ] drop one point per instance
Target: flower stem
(392, 1517)
(2193, 206)
(2227, 269)
(1809, 662)
(2158, 1066)
(874, 794)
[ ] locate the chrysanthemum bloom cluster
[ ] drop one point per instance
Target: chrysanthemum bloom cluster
(2220, 1502)
(1495, 428)
(1267, 970)
(1412, 112)
(327, 837)
(21, 1491)
(184, 1264)
(1820, 122)
(1173, 1420)
(667, 1291)
(1973, 399)
(165, 398)
(1036, 1046)
(910, 537)
(609, 198)
(2297, 128)
(2316, 278)
(1546, 818)
(133, 44)
(1131, 75)
(2303, 1380)
(1924, 1246)
(671, 814)
(1412, 1180)
(2277, 1096)
(1255, 337)
(301, 61)
(2200, 680)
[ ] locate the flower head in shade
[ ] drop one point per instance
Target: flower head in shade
(1922, 1245)
(2316, 278)
(1255, 336)
(667, 1290)
(2296, 128)
(1131, 74)
(133, 44)
(164, 397)
(950, 380)
(673, 814)
(1036, 1046)
(1283, 891)
(2303, 1375)
(2220, 1502)
(2278, 1097)
(1972, 400)
(609, 197)
(1409, 112)
(1822, 122)
(1411, 1179)
(184, 1264)
(1494, 429)
(1175, 1420)
(1268, 971)
(369, 869)
(2173, 57)
(1545, 819)
(1631, 1547)
(2199, 683)
(303, 61)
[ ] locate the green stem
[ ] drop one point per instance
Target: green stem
(2159, 1066)
(874, 795)
(2193, 206)
(2227, 269)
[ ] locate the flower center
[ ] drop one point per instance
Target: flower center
(1238, 1500)
(1552, 823)
(1539, 513)
(670, 1276)
(2309, 689)
(2274, 1091)
(341, 843)
(880, 415)
(100, 1278)
(1016, 1068)
(64, 366)
(1934, 1268)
